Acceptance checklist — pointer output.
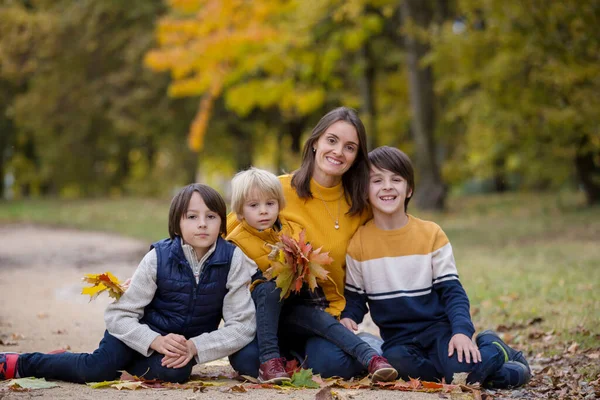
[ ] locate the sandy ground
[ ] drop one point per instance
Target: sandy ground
(42, 310)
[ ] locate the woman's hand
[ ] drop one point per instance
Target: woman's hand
(183, 360)
(462, 344)
(349, 323)
(171, 345)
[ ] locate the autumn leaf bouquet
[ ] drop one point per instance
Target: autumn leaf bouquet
(295, 263)
(101, 283)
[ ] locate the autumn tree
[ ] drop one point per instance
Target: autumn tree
(418, 16)
(525, 91)
(91, 119)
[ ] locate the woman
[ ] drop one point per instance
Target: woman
(327, 195)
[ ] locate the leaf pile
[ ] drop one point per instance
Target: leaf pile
(562, 370)
(100, 283)
(296, 263)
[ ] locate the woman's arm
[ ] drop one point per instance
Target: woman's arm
(122, 317)
(239, 314)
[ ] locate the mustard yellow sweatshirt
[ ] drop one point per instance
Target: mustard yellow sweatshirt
(317, 216)
(256, 244)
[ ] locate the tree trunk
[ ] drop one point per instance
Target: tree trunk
(367, 89)
(6, 128)
(588, 171)
(431, 192)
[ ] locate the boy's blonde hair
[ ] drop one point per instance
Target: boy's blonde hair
(252, 180)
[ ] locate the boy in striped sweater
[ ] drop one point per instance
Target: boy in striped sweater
(404, 269)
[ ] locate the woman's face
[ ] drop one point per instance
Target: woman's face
(335, 152)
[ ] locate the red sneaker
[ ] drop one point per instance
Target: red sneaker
(8, 365)
(381, 370)
(273, 371)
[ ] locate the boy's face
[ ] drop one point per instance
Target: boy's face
(260, 212)
(199, 225)
(387, 191)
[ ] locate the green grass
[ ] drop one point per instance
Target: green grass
(525, 256)
(140, 218)
(520, 256)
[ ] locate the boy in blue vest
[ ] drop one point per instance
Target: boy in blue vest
(403, 268)
(168, 319)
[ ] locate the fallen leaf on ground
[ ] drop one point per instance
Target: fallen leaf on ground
(31, 383)
(128, 385)
(303, 378)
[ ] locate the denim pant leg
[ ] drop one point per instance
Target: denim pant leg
(103, 364)
(313, 321)
(411, 361)
(266, 297)
(151, 368)
(327, 359)
(491, 360)
(245, 361)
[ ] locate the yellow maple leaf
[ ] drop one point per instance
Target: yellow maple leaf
(100, 283)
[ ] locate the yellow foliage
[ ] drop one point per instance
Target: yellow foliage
(100, 283)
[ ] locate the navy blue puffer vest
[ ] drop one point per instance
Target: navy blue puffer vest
(180, 305)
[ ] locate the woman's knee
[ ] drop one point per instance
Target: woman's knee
(245, 361)
(327, 359)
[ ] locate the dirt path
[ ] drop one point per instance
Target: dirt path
(43, 310)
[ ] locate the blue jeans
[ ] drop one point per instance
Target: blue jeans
(104, 364)
(426, 357)
(330, 348)
(266, 297)
(309, 322)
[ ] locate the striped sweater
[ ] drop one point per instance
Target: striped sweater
(408, 278)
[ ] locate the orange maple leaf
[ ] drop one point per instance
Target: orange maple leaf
(296, 263)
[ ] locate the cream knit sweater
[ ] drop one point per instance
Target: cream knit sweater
(122, 317)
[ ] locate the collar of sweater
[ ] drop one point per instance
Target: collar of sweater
(190, 256)
(326, 193)
(269, 235)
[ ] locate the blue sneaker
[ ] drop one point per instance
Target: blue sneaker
(512, 374)
(8, 365)
(510, 354)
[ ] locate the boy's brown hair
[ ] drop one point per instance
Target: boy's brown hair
(180, 203)
(397, 162)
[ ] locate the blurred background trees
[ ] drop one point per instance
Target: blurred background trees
(139, 97)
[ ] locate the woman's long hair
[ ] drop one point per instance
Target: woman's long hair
(356, 180)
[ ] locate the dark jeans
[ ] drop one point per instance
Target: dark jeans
(426, 357)
(104, 364)
(268, 309)
(331, 349)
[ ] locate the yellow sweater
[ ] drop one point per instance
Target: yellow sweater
(255, 243)
(317, 216)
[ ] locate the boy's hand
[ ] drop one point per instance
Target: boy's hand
(349, 323)
(125, 285)
(180, 361)
(171, 345)
(462, 344)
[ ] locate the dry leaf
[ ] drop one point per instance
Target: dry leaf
(131, 385)
(295, 264)
(460, 378)
(100, 283)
